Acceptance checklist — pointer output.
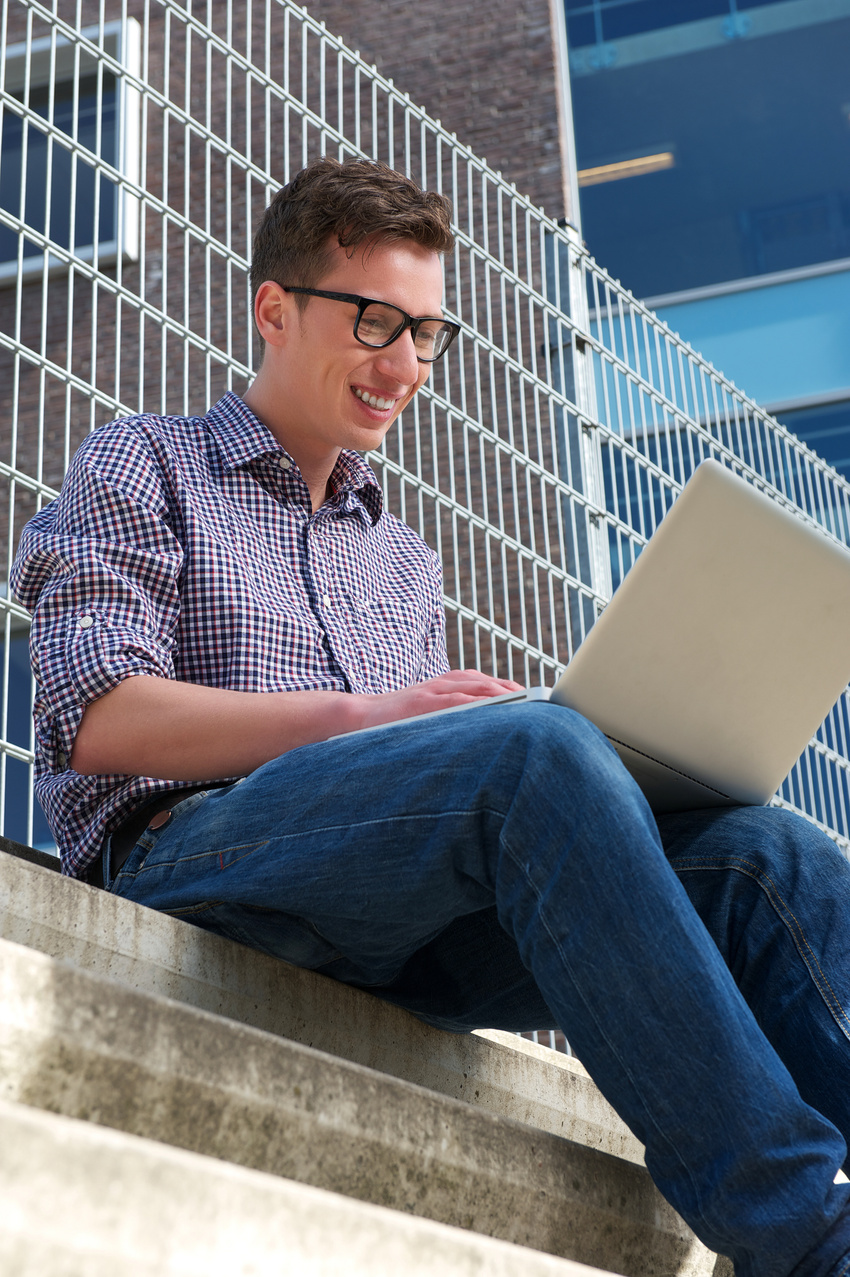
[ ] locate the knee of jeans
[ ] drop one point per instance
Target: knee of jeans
(776, 844)
(566, 752)
(543, 725)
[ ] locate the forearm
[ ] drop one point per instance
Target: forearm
(181, 731)
(170, 730)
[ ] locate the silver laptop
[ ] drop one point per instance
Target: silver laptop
(722, 651)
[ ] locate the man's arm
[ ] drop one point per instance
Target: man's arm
(170, 730)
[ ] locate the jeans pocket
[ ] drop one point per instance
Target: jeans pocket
(148, 840)
(282, 935)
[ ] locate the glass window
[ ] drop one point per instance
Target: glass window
(712, 150)
(46, 177)
(24, 185)
(590, 21)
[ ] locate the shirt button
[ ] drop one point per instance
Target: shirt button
(61, 760)
(284, 463)
(86, 622)
(326, 600)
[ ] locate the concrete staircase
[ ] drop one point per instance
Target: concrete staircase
(174, 1103)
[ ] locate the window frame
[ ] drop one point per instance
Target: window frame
(30, 62)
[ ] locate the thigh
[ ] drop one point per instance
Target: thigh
(471, 976)
(467, 975)
(373, 857)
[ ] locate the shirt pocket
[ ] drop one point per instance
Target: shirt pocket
(392, 629)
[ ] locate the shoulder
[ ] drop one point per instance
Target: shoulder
(145, 457)
(397, 530)
(117, 447)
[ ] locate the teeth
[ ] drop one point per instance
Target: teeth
(374, 401)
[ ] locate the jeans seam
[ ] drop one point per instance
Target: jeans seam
(201, 906)
(783, 912)
(250, 848)
(518, 864)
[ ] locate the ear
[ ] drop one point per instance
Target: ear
(274, 312)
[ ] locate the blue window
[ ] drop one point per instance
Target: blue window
(715, 149)
(26, 181)
(19, 775)
(826, 429)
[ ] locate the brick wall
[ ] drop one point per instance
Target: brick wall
(486, 71)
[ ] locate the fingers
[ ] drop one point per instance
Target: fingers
(473, 682)
(457, 687)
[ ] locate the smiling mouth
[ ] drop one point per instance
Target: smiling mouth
(374, 401)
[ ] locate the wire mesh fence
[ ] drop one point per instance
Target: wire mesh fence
(141, 140)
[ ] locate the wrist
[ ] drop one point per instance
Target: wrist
(347, 713)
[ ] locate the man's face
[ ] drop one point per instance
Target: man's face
(328, 379)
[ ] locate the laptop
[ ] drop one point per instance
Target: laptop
(722, 651)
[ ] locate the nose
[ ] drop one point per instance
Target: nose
(399, 359)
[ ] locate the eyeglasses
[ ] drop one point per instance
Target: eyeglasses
(379, 324)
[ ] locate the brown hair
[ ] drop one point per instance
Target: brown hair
(352, 202)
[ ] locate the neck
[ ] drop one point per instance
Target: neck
(317, 482)
(316, 464)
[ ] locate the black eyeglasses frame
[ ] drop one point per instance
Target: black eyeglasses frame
(409, 321)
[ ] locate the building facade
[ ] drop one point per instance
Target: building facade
(702, 149)
(713, 157)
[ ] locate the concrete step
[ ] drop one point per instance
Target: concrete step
(77, 1200)
(75, 1043)
(156, 954)
(143, 950)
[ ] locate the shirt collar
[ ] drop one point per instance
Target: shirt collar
(352, 474)
(239, 435)
(241, 438)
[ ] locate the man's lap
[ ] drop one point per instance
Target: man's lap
(342, 857)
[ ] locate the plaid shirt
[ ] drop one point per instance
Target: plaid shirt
(185, 548)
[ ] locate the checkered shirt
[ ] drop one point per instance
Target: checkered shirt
(185, 548)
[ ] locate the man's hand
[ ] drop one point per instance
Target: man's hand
(458, 687)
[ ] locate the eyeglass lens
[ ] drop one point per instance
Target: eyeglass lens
(380, 323)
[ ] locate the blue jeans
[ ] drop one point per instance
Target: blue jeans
(500, 868)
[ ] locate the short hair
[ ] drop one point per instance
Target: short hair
(353, 202)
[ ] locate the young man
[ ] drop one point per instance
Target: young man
(221, 601)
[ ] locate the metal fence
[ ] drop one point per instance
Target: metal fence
(141, 139)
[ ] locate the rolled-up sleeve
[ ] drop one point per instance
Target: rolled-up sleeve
(99, 569)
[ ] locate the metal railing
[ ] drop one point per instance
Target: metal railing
(544, 450)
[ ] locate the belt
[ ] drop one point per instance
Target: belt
(125, 837)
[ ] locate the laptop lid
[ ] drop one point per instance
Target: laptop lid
(723, 649)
